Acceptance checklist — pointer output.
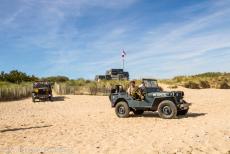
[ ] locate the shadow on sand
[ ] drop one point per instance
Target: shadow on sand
(155, 115)
(193, 115)
(58, 98)
(17, 129)
(54, 99)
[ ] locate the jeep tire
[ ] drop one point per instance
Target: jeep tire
(122, 109)
(167, 109)
(50, 98)
(33, 97)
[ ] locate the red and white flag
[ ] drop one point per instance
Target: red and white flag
(123, 54)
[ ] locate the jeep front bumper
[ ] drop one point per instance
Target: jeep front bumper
(40, 96)
(184, 106)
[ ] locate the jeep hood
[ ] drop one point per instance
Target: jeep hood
(159, 94)
(167, 94)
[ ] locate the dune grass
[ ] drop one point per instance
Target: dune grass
(11, 91)
(87, 87)
(201, 81)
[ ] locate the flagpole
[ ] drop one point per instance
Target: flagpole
(123, 59)
(123, 62)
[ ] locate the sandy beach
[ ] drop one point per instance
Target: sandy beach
(88, 124)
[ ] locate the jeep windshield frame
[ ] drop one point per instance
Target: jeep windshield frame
(41, 85)
(151, 85)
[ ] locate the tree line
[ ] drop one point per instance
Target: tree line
(18, 77)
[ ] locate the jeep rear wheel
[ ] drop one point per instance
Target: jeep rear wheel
(138, 112)
(167, 109)
(122, 110)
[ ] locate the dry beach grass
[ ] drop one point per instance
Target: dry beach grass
(87, 124)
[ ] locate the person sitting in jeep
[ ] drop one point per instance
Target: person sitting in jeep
(135, 91)
(142, 86)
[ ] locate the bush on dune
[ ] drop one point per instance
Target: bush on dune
(16, 76)
(204, 84)
(56, 79)
(205, 80)
(173, 86)
(191, 85)
(222, 85)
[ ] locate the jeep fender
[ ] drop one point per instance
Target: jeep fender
(119, 100)
(157, 101)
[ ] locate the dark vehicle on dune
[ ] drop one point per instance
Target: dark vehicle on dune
(167, 104)
(42, 91)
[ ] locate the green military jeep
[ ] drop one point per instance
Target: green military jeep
(167, 104)
(42, 91)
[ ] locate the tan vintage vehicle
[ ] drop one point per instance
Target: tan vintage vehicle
(42, 91)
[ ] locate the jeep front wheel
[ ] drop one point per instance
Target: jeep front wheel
(122, 110)
(50, 98)
(33, 97)
(167, 109)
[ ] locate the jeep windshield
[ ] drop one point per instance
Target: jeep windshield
(151, 85)
(41, 85)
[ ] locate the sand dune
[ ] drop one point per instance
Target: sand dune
(87, 124)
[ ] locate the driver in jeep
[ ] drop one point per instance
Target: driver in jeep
(135, 91)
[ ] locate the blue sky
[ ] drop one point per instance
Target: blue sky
(82, 38)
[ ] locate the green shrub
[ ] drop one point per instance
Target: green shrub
(16, 76)
(222, 85)
(204, 80)
(191, 85)
(204, 84)
(179, 78)
(56, 79)
(173, 86)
